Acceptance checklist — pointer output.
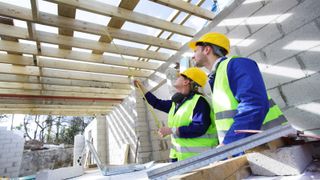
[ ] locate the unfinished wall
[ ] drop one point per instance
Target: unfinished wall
(126, 124)
(96, 132)
(160, 146)
(34, 161)
(283, 36)
(11, 150)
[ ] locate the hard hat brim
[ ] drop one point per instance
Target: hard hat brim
(192, 45)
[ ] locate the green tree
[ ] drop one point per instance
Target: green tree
(77, 126)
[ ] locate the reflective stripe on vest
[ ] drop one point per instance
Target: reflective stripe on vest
(191, 149)
(225, 105)
(205, 136)
(187, 147)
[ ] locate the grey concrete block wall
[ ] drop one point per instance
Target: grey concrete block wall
(126, 123)
(11, 152)
(286, 45)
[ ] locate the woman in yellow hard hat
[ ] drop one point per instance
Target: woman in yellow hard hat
(190, 120)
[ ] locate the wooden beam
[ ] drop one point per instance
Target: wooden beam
(55, 102)
(104, 59)
(63, 82)
(16, 59)
(9, 22)
(35, 9)
(58, 93)
(34, 86)
(108, 10)
(83, 26)
(116, 22)
(83, 43)
(48, 72)
(69, 12)
(96, 68)
(65, 88)
(234, 168)
(87, 67)
(75, 55)
(54, 107)
(52, 112)
(188, 8)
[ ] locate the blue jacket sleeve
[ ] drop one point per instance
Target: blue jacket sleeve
(162, 105)
(200, 121)
(247, 85)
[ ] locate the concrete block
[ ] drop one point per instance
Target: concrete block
(283, 72)
(275, 95)
(302, 91)
(262, 38)
(257, 57)
(238, 34)
(284, 161)
(301, 14)
(300, 40)
(269, 13)
(304, 116)
(220, 29)
(240, 13)
(310, 60)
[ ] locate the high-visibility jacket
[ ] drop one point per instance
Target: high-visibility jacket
(225, 104)
(183, 148)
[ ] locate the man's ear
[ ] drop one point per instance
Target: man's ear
(186, 82)
(207, 50)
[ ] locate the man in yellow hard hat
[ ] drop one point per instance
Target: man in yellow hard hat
(190, 119)
(239, 97)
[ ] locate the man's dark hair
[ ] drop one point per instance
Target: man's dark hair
(217, 50)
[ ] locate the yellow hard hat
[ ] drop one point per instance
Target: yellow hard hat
(213, 38)
(197, 75)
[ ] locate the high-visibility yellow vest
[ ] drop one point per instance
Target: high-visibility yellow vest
(225, 104)
(183, 148)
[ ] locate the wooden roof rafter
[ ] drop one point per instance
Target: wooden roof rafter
(65, 73)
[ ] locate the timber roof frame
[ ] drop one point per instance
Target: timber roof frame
(36, 77)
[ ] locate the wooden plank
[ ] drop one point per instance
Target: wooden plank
(16, 59)
(116, 22)
(69, 12)
(51, 112)
(9, 22)
(96, 68)
(108, 10)
(54, 107)
(63, 82)
(58, 93)
(22, 70)
(85, 43)
(104, 59)
(105, 47)
(220, 170)
(188, 8)
(47, 72)
(78, 75)
(84, 26)
(34, 86)
(51, 63)
(54, 102)
(21, 33)
(35, 9)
